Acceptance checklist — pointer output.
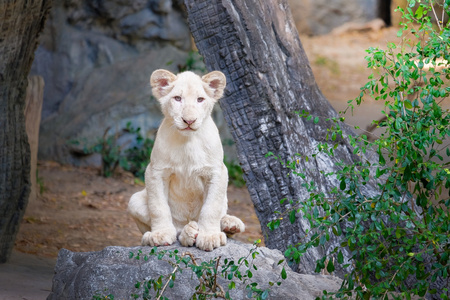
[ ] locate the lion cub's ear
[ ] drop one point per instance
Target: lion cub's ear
(215, 84)
(161, 82)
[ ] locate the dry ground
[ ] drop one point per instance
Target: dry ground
(81, 211)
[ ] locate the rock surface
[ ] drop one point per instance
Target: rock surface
(112, 271)
(315, 17)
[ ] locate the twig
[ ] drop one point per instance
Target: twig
(167, 282)
(215, 273)
(437, 19)
(203, 279)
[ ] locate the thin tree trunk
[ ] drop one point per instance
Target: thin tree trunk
(269, 78)
(33, 109)
(21, 22)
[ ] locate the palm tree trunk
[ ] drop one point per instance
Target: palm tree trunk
(21, 22)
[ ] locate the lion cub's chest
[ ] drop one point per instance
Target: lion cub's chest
(187, 192)
(188, 177)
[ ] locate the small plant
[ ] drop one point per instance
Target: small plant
(397, 237)
(100, 296)
(206, 272)
(134, 159)
(235, 173)
(138, 157)
(109, 150)
(194, 62)
(40, 182)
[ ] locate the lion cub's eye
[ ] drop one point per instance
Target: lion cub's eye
(177, 98)
(200, 99)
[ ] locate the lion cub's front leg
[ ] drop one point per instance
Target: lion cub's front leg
(214, 208)
(189, 234)
(209, 240)
(163, 232)
(158, 238)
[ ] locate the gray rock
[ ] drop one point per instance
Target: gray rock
(322, 16)
(112, 271)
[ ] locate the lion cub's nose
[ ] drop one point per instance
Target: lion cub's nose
(189, 122)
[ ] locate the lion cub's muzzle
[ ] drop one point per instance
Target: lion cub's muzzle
(189, 123)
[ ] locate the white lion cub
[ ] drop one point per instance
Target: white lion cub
(186, 181)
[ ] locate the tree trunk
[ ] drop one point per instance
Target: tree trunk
(269, 77)
(33, 109)
(21, 22)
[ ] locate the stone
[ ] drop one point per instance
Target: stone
(112, 271)
(374, 25)
(315, 17)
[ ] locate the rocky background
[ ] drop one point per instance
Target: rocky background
(96, 58)
(315, 17)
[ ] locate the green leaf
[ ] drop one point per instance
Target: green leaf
(419, 12)
(231, 285)
(342, 185)
(398, 233)
(292, 216)
(323, 239)
(399, 32)
(316, 120)
(283, 273)
(408, 104)
(340, 257)
(381, 159)
(330, 266)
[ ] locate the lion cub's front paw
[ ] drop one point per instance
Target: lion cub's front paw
(159, 238)
(189, 234)
(209, 240)
(231, 225)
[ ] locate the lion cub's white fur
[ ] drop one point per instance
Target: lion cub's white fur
(186, 181)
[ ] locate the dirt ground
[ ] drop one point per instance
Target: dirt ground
(81, 211)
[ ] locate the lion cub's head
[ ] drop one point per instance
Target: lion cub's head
(186, 98)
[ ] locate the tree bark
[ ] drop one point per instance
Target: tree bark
(21, 21)
(33, 108)
(269, 77)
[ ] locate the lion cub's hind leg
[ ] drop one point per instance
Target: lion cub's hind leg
(231, 225)
(189, 234)
(138, 209)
